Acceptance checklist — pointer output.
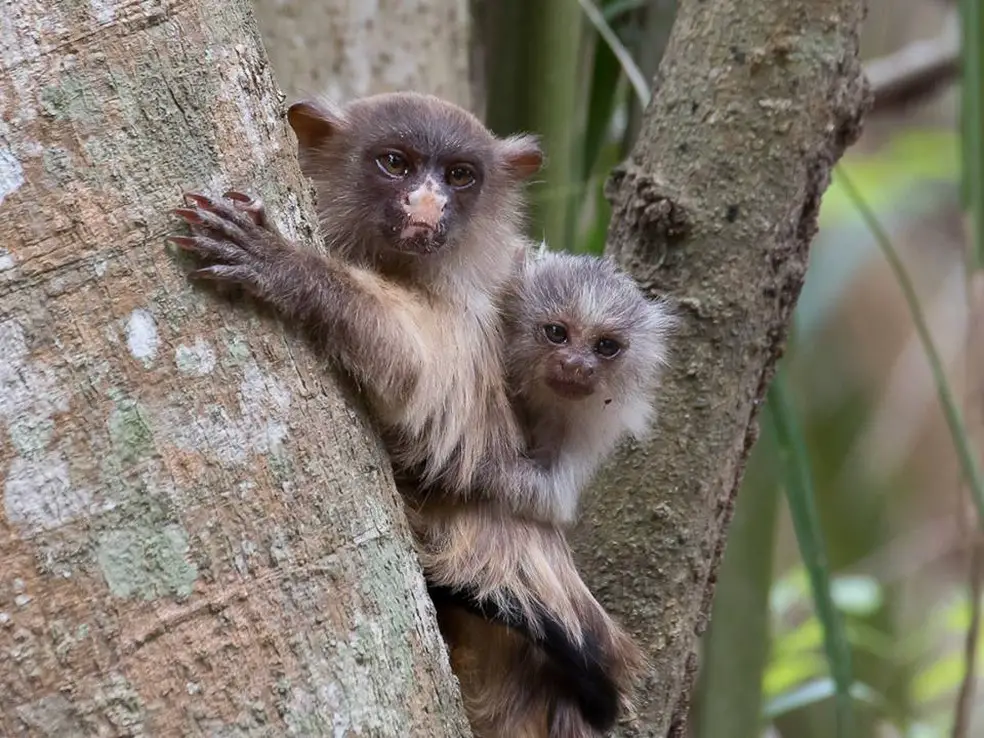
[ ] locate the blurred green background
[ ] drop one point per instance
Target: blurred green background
(844, 604)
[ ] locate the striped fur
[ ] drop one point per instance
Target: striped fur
(511, 678)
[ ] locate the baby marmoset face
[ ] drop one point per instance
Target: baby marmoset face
(409, 172)
(578, 327)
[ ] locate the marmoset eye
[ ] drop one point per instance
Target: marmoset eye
(555, 333)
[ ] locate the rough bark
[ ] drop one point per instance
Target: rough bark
(199, 534)
(716, 206)
(349, 48)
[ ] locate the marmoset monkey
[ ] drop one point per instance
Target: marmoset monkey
(420, 207)
(583, 348)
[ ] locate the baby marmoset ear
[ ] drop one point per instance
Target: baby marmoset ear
(521, 155)
(314, 122)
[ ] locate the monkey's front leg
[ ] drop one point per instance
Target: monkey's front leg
(239, 247)
(531, 490)
(347, 312)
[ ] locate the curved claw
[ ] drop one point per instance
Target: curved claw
(189, 214)
(253, 207)
(185, 242)
(224, 273)
(202, 201)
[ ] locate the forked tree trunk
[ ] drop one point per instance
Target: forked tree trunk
(754, 102)
(199, 534)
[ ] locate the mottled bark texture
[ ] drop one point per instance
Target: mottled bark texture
(199, 535)
(717, 205)
(350, 48)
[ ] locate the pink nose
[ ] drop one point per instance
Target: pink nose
(425, 206)
(578, 366)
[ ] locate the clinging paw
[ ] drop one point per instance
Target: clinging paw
(232, 235)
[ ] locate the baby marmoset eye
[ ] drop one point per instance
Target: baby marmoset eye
(608, 347)
(555, 333)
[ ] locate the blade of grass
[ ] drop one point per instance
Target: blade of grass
(972, 114)
(954, 419)
(806, 523)
(601, 104)
(536, 75)
(972, 119)
(965, 696)
(557, 113)
(614, 9)
(635, 76)
(815, 691)
(648, 44)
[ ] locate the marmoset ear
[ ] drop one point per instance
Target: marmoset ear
(313, 122)
(521, 155)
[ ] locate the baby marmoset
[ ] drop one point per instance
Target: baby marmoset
(583, 348)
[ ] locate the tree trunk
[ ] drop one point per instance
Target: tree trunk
(199, 534)
(717, 206)
(350, 48)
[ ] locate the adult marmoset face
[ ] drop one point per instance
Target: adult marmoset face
(417, 171)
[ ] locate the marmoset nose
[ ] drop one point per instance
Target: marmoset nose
(425, 205)
(578, 366)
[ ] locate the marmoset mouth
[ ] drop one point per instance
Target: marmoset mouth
(569, 389)
(416, 228)
(420, 239)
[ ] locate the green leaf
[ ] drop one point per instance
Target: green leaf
(736, 649)
(940, 679)
(969, 463)
(802, 508)
(972, 119)
(784, 674)
(808, 636)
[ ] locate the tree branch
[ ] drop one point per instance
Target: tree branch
(965, 696)
(914, 72)
(717, 206)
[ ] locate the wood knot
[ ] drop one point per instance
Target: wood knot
(653, 217)
(655, 211)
